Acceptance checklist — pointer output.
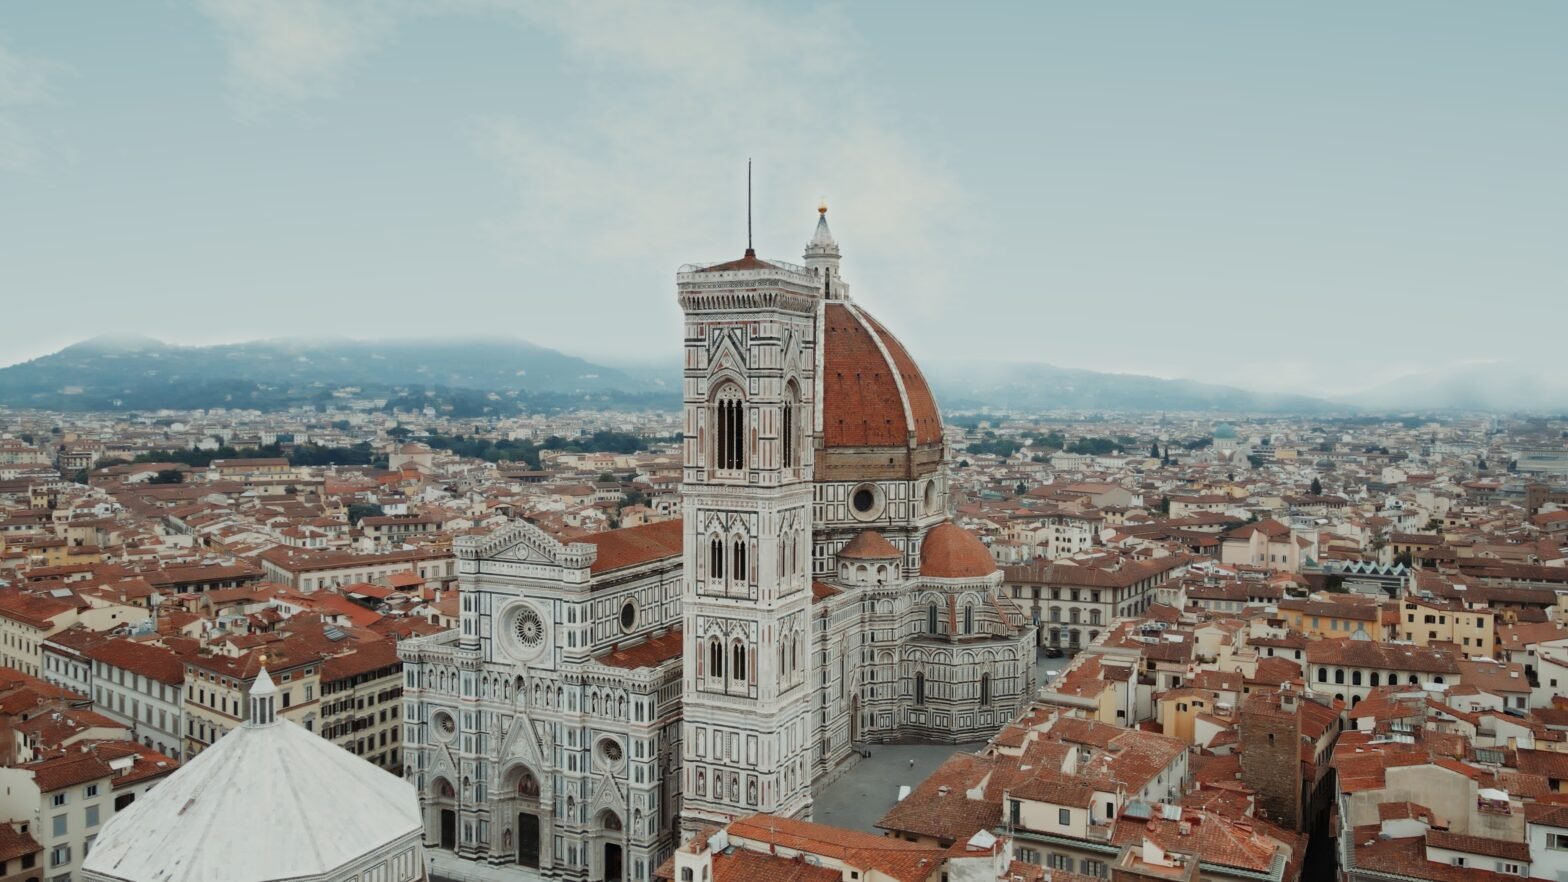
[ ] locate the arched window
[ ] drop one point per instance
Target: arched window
(969, 618)
(715, 658)
(716, 558)
(985, 689)
(729, 429)
(738, 666)
(787, 427)
(1339, 676)
(794, 653)
(1094, 617)
(740, 574)
(931, 619)
(920, 688)
(1355, 678)
(1322, 675)
(1375, 676)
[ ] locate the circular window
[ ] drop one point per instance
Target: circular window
(525, 631)
(628, 616)
(611, 751)
(529, 628)
(865, 502)
(445, 725)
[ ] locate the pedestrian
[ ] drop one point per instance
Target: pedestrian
(911, 764)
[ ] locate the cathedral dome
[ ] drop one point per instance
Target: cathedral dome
(873, 394)
(869, 545)
(951, 552)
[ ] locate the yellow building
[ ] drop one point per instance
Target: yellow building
(1424, 622)
(1332, 619)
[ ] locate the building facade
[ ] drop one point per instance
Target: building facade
(601, 697)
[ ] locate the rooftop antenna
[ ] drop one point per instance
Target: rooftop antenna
(750, 252)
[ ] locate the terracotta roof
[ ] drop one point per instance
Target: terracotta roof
(1500, 848)
(368, 657)
(904, 861)
(750, 261)
(647, 654)
(863, 367)
(153, 662)
(1213, 839)
(14, 844)
(630, 546)
(951, 552)
(869, 545)
(744, 865)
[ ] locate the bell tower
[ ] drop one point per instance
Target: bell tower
(750, 392)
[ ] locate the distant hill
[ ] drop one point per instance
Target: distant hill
(1047, 387)
(1494, 387)
(141, 373)
(498, 376)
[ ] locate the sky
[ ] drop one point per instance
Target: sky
(1289, 197)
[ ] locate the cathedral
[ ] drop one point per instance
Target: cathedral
(601, 698)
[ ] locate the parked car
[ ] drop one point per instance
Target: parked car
(1054, 652)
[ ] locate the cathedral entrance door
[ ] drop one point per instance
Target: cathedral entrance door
(528, 840)
(448, 829)
(612, 862)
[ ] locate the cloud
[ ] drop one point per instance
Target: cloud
(292, 50)
(674, 97)
(23, 82)
(667, 101)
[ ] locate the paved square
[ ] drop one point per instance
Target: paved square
(865, 793)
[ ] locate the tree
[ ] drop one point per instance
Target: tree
(361, 510)
(1154, 450)
(1317, 487)
(399, 432)
(1480, 464)
(168, 476)
(1021, 489)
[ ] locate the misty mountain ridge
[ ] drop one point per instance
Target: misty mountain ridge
(133, 372)
(124, 372)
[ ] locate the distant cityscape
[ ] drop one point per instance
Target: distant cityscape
(640, 644)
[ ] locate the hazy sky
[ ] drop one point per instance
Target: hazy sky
(1285, 196)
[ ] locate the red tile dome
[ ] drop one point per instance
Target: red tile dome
(951, 552)
(873, 394)
(869, 545)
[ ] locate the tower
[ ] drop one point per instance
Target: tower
(1270, 736)
(746, 496)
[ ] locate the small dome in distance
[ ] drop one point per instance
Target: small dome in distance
(951, 552)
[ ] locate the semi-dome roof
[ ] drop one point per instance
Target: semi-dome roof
(951, 552)
(869, 545)
(873, 394)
